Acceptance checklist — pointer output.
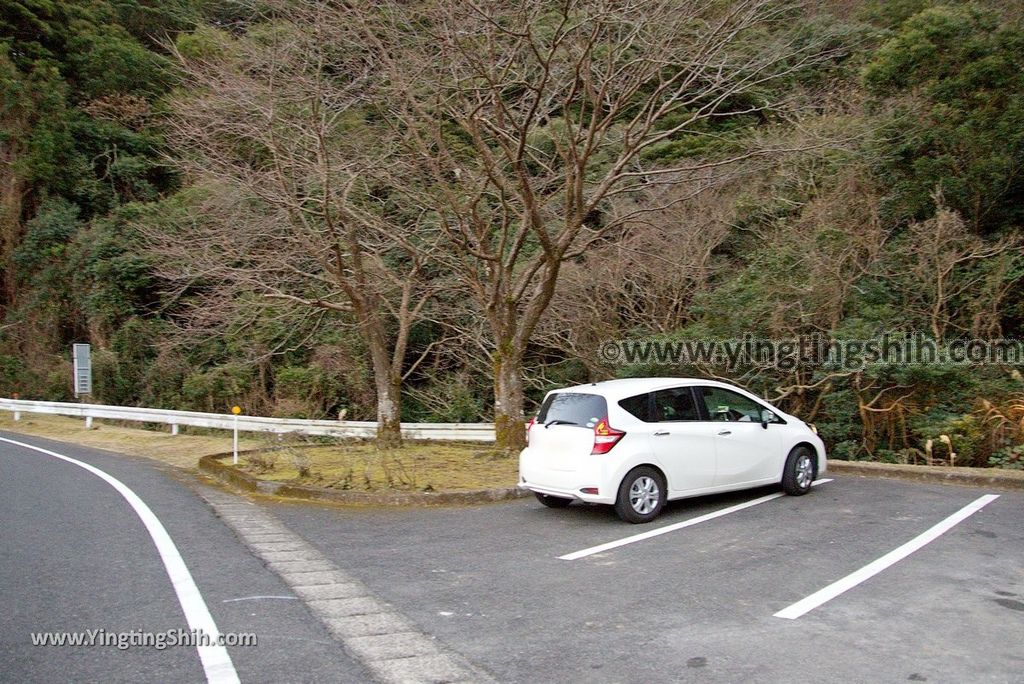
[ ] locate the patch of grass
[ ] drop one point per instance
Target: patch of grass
(352, 465)
(360, 466)
(180, 451)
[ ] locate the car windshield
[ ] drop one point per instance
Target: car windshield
(572, 408)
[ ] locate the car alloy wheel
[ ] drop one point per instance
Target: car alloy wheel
(644, 494)
(799, 472)
(804, 471)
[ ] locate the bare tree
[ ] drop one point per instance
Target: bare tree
(300, 208)
(529, 118)
(642, 283)
(946, 262)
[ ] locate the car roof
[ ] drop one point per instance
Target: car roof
(628, 387)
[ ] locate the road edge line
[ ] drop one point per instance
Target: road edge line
(215, 659)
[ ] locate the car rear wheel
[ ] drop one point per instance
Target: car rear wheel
(642, 495)
(799, 472)
(552, 501)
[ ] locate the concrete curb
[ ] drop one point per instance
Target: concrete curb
(973, 477)
(212, 465)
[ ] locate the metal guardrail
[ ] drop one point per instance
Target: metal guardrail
(453, 432)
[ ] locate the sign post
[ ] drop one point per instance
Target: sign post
(82, 374)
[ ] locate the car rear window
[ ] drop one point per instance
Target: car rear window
(572, 408)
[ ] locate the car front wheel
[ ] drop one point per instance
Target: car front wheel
(799, 472)
(642, 495)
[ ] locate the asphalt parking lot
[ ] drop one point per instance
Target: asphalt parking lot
(701, 602)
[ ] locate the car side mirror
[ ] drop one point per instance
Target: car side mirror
(766, 417)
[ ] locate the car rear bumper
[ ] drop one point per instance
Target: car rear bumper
(567, 493)
(566, 478)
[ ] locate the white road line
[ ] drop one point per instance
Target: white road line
(215, 659)
(896, 555)
(576, 555)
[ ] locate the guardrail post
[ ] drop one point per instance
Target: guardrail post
(17, 416)
(88, 422)
(234, 437)
(174, 429)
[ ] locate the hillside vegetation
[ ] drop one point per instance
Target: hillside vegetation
(439, 211)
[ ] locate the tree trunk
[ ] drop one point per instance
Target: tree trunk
(389, 412)
(389, 389)
(508, 398)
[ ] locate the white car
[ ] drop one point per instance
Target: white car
(640, 442)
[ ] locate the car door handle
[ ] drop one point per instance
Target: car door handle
(723, 433)
(661, 433)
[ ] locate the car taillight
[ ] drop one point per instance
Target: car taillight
(529, 425)
(605, 437)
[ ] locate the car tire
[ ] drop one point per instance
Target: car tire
(552, 501)
(800, 471)
(642, 495)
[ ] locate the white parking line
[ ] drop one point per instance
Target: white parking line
(576, 555)
(215, 659)
(833, 590)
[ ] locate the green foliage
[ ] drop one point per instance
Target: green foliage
(81, 88)
(890, 14)
(120, 371)
(305, 392)
(67, 70)
(163, 379)
(847, 450)
(218, 389)
(78, 83)
(965, 431)
(445, 399)
(109, 60)
(206, 42)
(955, 75)
(45, 243)
(112, 275)
(930, 49)
(1008, 457)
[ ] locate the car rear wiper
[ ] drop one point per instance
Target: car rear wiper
(558, 421)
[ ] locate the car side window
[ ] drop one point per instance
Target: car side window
(638, 406)
(674, 405)
(723, 404)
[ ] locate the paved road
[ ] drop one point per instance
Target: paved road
(487, 584)
(74, 556)
(697, 604)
